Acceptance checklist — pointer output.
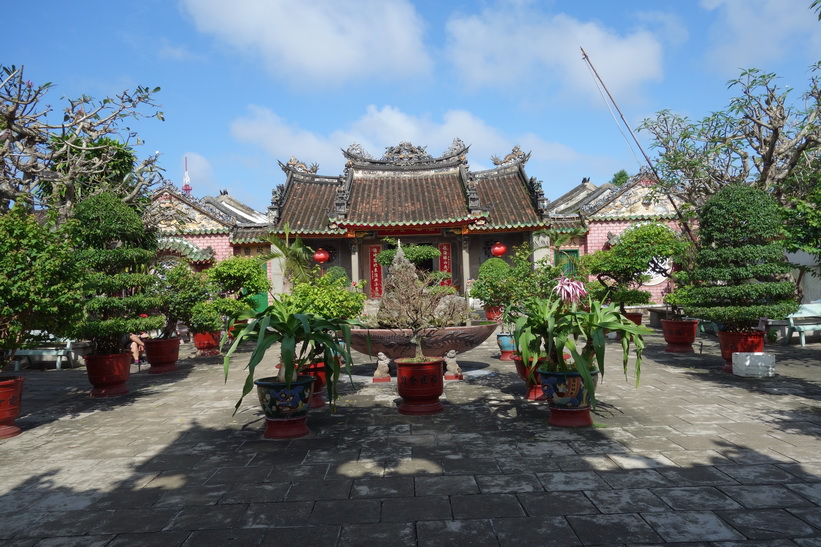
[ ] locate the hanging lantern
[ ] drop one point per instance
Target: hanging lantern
(498, 249)
(321, 256)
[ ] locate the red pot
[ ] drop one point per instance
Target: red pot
(317, 370)
(162, 355)
(533, 385)
(739, 342)
(634, 317)
(108, 374)
(11, 397)
(420, 385)
(679, 334)
(493, 313)
(207, 343)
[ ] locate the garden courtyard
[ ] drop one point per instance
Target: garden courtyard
(693, 455)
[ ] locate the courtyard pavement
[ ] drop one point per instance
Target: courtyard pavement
(692, 456)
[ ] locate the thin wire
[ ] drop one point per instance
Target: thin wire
(613, 115)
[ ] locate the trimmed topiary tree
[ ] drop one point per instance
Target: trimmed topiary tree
(115, 246)
(740, 271)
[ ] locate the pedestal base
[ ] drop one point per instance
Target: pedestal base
(382, 380)
(8, 431)
(570, 417)
(286, 429)
(420, 409)
(454, 377)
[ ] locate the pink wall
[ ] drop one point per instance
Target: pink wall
(219, 242)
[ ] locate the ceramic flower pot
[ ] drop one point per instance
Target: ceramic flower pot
(207, 343)
(567, 397)
(396, 343)
(420, 385)
(285, 407)
(11, 397)
(734, 342)
(108, 374)
(506, 346)
(493, 313)
(533, 389)
(162, 355)
(679, 334)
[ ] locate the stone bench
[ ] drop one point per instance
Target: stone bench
(807, 318)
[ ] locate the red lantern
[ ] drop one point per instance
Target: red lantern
(321, 256)
(498, 249)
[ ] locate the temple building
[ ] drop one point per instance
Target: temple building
(414, 197)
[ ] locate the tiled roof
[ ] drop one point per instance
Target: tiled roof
(250, 234)
(507, 198)
(397, 198)
(307, 204)
(185, 248)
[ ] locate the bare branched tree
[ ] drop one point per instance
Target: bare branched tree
(761, 138)
(56, 163)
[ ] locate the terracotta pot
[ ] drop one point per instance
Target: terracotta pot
(420, 385)
(735, 342)
(493, 313)
(634, 317)
(162, 355)
(286, 408)
(533, 388)
(567, 397)
(317, 370)
(207, 343)
(506, 346)
(679, 334)
(11, 397)
(108, 374)
(395, 343)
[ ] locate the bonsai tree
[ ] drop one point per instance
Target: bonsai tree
(740, 268)
(414, 300)
(41, 281)
(623, 268)
(204, 317)
(116, 248)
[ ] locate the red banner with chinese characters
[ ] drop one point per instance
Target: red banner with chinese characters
(445, 262)
(375, 269)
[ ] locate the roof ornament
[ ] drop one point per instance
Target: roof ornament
(355, 149)
(406, 152)
(186, 180)
(515, 156)
(456, 147)
(298, 166)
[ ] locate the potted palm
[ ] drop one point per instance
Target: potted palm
(116, 248)
(303, 338)
(548, 333)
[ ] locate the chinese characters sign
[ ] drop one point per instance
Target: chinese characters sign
(445, 262)
(375, 269)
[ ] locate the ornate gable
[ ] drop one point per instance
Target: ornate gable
(176, 213)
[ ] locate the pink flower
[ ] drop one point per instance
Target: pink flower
(568, 290)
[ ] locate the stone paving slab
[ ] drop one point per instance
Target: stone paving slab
(694, 456)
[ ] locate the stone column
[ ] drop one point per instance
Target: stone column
(354, 247)
(541, 244)
(465, 262)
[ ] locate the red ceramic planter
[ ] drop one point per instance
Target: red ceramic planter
(679, 334)
(533, 385)
(420, 385)
(162, 355)
(735, 342)
(207, 343)
(108, 374)
(493, 313)
(11, 397)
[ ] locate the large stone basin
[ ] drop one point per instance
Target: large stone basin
(396, 343)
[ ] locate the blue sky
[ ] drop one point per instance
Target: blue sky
(246, 83)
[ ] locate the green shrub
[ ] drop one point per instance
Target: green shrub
(740, 267)
(493, 284)
(328, 297)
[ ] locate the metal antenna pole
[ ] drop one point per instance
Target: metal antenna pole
(643, 153)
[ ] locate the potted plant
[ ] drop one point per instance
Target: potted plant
(740, 272)
(504, 339)
(303, 338)
(493, 287)
(548, 334)
(177, 289)
(331, 296)
(238, 280)
(116, 248)
(205, 323)
(415, 302)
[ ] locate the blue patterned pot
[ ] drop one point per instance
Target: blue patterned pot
(286, 408)
(506, 346)
(565, 389)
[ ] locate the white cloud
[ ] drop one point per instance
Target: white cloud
(755, 33)
(328, 41)
(516, 46)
